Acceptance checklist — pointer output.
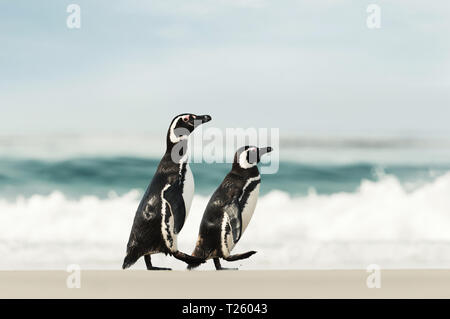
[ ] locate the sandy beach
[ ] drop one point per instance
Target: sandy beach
(226, 284)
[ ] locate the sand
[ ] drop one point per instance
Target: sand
(226, 284)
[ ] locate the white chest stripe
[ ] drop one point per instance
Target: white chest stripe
(250, 180)
(250, 204)
(183, 160)
(188, 184)
(249, 208)
(188, 189)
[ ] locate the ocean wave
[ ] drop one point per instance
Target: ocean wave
(382, 222)
(297, 148)
(76, 177)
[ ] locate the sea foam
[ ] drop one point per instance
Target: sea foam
(381, 223)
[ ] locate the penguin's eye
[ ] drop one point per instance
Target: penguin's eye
(186, 118)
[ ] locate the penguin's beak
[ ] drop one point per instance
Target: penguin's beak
(201, 119)
(204, 118)
(265, 150)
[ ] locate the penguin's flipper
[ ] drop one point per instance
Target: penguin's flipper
(235, 220)
(173, 195)
(239, 256)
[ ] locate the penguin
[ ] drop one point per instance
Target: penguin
(230, 209)
(167, 200)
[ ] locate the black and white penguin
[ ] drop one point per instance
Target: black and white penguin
(230, 209)
(167, 200)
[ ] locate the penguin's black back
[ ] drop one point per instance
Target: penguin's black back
(226, 195)
(146, 233)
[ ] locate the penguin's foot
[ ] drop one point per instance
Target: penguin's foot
(158, 268)
(148, 263)
(188, 259)
(219, 266)
(239, 256)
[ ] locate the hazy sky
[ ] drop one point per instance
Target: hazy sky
(304, 66)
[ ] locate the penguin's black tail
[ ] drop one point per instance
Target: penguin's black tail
(130, 259)
(192, 266)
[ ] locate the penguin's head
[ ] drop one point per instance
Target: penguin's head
(182, 125)
(248, 156)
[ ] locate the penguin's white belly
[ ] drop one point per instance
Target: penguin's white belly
(249, 208)
(188, 189)
(227, 241)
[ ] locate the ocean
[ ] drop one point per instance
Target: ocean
(333, 203)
